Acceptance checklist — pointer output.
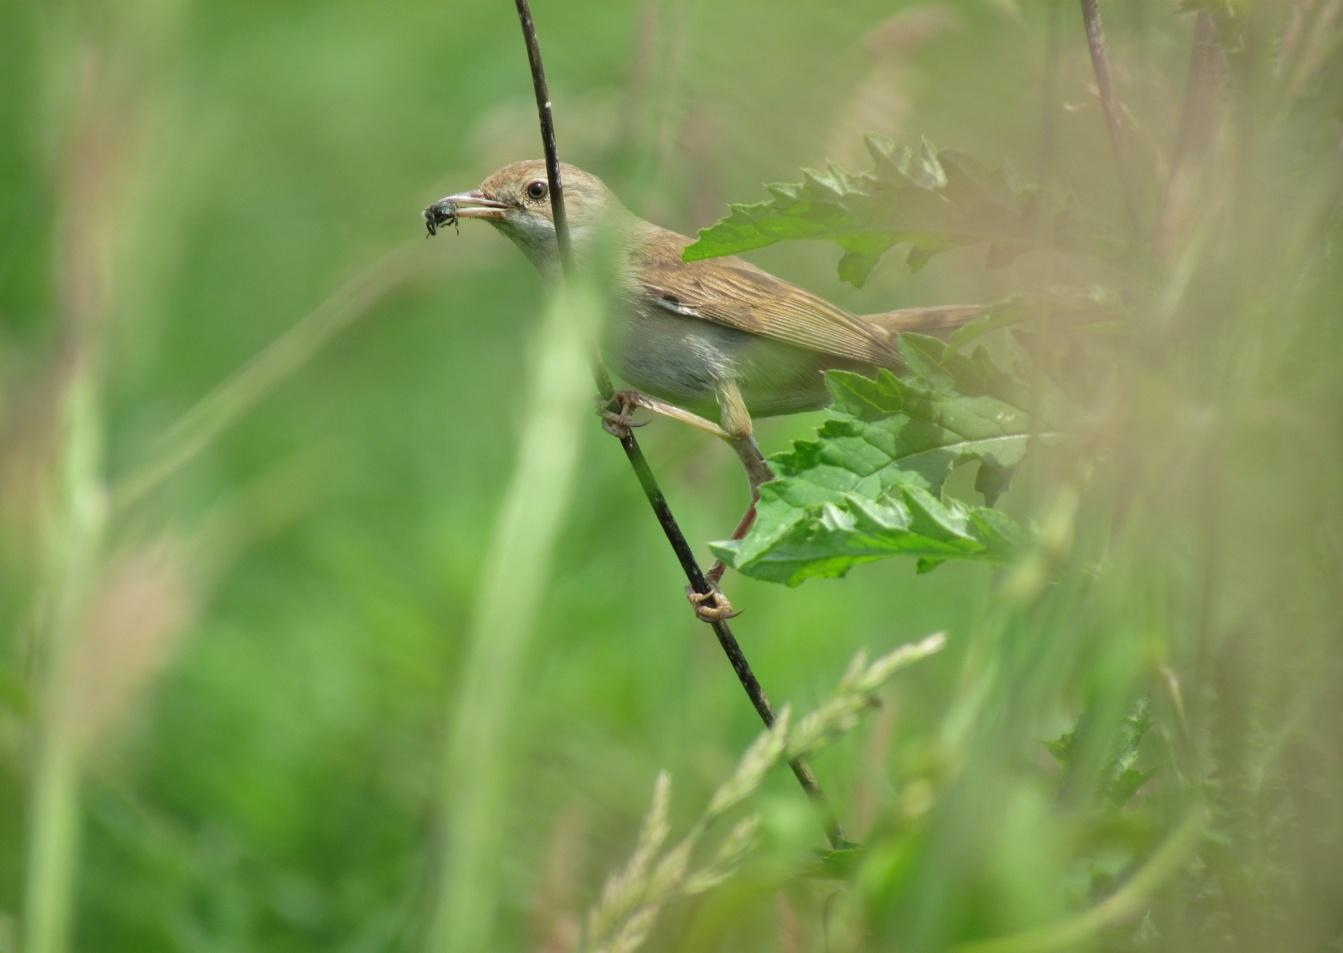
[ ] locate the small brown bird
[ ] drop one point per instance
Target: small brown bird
(697, 340)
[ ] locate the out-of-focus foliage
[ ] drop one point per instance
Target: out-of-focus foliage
(635, 894)
(932, 201)
(256, 435)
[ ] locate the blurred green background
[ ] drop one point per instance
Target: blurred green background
(233, 639)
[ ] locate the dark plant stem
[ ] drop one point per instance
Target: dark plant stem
(731, 647)
(547, 116)
(1114, 124)
(652, 491)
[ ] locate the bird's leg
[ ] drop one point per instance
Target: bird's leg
(757, 472)
(738, 431)
(618, 414)
(617, 419)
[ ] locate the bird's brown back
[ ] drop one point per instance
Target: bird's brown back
(737, 294)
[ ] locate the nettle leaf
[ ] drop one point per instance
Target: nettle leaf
(870, 485)
(1063, 748)
(1119, 778)
(929, 200)
(827, 539)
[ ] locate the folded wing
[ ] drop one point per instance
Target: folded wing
(735, 293)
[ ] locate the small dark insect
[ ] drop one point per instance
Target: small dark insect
(439, 214)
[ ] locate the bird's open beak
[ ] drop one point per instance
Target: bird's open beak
(476, 204)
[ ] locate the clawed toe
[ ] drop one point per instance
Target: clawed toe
(711, 606)
(619, 424)
(618, 414)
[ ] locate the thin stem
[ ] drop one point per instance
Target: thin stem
(689, 565)
(1196, 125)
(489, 689)
(1100, 63)
(731, 647)
(546, 114)
(53, 847)
(1200, 88)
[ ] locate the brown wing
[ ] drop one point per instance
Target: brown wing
(737, 294)
(926, 320)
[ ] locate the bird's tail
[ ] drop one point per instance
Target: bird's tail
(936, 320)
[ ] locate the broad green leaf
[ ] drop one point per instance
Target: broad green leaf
(929, 200)
(870, 485)
(797, 543)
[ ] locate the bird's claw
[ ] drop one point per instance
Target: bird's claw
(711, 606)
(618, 414)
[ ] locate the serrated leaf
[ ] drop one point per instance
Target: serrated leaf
(830, 538)
(915, 431)
(869, 486)
(1118, 777)
(930, 201)
(1063, 748)
(1122, 780)
(1127, 784)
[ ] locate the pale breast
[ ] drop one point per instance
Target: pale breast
(686, 359)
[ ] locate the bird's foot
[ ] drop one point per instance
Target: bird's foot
(711, 606)
(618, 413)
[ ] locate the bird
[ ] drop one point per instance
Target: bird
(713, 343)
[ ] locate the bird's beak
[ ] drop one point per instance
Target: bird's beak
(474, 204)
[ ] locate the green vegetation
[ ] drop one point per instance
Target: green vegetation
(868, 486)
(931, 201)
(331, 620)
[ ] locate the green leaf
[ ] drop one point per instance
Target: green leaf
(916, 430)
(829, 538)
(929, 200)
(841, 863)
(1118, 778)
(1127, 784)
(1121, 779)
(1064, 748)
(870, 485)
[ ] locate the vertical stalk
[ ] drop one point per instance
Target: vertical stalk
(1114, 123)
(474, 785)
(634, 453)
(1196, 126)
(70, 533)
(74, 542)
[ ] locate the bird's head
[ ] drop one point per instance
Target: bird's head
(516, 200)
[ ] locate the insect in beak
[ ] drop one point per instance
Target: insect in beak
(442, 212)
(447, 210)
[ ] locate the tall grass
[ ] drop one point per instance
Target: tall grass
(494, 679)
(365, 703)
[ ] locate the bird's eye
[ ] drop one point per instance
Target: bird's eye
(537, 189)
